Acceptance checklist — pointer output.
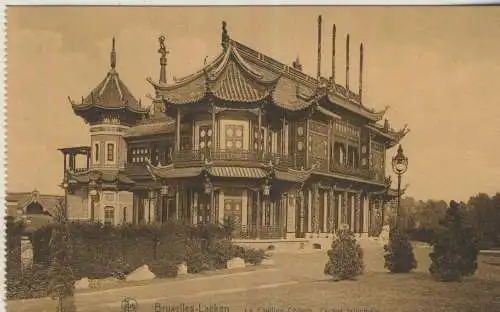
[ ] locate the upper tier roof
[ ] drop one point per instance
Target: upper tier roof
(241, 74)
(111, 94)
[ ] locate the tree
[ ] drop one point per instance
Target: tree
(486, 218)
(455, 247)
(61, 278)
(345, 257)
(399, 256)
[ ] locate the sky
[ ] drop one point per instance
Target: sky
(438, 68)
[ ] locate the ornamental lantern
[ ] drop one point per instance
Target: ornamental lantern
(152, 194)
(399, 162)
(207, 186)
(164, 190)
(266, 190)
(399, 166)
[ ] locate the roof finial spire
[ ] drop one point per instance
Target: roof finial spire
(225, 36)
(163, 59)
(347, 67)
(113, 54)
(319, 47)
(361, 51)
(334, 35)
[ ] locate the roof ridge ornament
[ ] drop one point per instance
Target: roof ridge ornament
(225, 36)
(163, 59)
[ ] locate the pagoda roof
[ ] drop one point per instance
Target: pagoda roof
(111, 94)
(151, 127)
(242, 74)
(229, 78)
(392, 136)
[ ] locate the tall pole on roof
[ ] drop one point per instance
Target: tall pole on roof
(347, 67)
(113, 54)
(360, 73)
(319, 47)
(225, 36)
(163, 59)
(334, 31)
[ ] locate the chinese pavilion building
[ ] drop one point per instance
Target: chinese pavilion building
(246, 138)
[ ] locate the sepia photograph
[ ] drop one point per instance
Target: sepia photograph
(252, 158)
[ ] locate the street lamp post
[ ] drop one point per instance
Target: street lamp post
(399, 166)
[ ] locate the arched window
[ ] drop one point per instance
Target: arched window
(109, 215)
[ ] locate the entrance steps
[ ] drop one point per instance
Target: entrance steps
(311, 243)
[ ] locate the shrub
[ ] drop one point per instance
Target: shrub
(31, 283)
(220, 253)
(254, 256)
(197, 261)
(345, 257)
(164, 268)
(455, 248)
(399, 256)
(60, 273)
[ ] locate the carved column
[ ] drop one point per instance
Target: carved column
(259, 208)
(316, 218)
(366, 213)
(178, 130)
(214, 133)
(357, 213)
(301, 211)
(331, 207)
(309, 211)
(345, 206)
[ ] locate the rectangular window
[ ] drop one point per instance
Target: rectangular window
(109, 215)
(96, 153)
(234, 137)
(110, 152)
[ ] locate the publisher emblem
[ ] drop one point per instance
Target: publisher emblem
(129, 305)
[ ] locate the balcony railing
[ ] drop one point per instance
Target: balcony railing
(187, 157)
(262, 232)
(199, 156)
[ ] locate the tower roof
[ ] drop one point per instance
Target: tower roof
(111, 94)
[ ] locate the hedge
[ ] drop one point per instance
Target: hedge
(101, 251)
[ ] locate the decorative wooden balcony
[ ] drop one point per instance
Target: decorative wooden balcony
(198, 157)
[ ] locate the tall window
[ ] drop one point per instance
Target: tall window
(232, 206)
(110, 153)
(109, 215)
(96, 153)
(339, 151)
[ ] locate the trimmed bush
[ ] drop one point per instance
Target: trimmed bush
(455, 248)
(399, 256)
(345, 257)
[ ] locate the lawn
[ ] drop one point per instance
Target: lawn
(376, 290)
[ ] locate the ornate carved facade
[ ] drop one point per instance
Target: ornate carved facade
(246, 139)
